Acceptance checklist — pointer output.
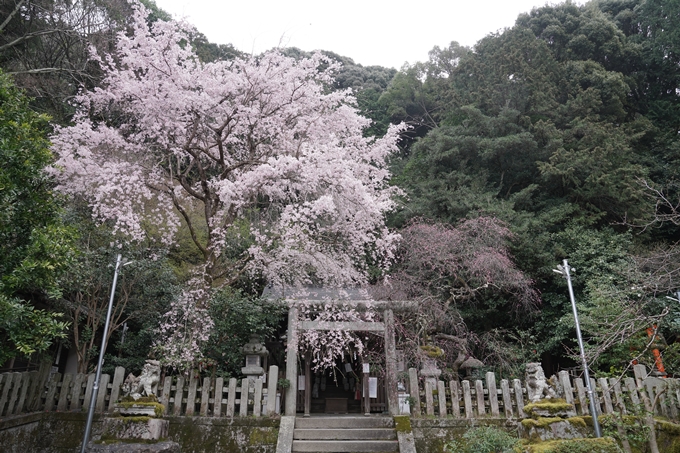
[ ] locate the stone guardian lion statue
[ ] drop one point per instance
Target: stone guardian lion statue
(146, 383)
(538, 386)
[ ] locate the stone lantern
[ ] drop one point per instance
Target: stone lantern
(256, 354)
(428, 360)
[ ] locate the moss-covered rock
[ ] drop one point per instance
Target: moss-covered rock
(547, 428)
(402, 423)
(540, 422)
(262, 436)
(158, 408)
(585, 445)
(668, 427)
(548, 407)
(579, 422)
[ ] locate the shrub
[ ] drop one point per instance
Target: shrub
(486, 439)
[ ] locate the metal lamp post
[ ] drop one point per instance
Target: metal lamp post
(95, 387)
(564, 270)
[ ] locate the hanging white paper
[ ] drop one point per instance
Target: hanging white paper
(366, 367)
(373, 387)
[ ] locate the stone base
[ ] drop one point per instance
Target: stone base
(550, 408)
(160, 447)
(137, 410)
(141, 428)
(541, 429)
(144, 407)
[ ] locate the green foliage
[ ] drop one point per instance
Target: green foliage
(25, 330)
(549, 126)
(631, 428)
(507, 352)
(150, 285)
(238, 317)
(487, 439)
(35, 246)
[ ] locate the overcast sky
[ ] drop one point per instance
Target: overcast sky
(371, 32)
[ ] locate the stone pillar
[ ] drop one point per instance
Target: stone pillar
(308, 383)
(391, 364)
(291, 361)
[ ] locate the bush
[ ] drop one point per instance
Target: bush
(486, 439)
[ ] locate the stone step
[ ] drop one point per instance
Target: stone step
(343, 422)
(346, 446)
(345, 434)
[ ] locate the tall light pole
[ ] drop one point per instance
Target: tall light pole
(95, 387)
(564, 271)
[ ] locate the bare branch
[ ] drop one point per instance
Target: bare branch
(29, 36)
(16, 9)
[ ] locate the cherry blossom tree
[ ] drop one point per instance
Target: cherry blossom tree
(264, 165)
(458, 265)
(447, 269)
(326, 346)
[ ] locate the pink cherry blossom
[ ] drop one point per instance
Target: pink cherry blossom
(168, 141)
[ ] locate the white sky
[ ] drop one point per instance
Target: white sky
(371, 32)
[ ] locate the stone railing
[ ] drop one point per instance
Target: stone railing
(506, 399)
(39, 391)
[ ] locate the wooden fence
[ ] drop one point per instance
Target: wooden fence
(506, 399)
(39, 391)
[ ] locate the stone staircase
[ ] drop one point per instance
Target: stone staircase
(345, 434)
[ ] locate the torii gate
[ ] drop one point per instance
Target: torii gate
(387, 327)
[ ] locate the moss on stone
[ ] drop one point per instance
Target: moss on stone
(585, 445)
(553, 406)
(579, 422)
(259, 436)
(432, 351)
(109, 440)
(159, 409)
(402, 423)
(140, 400)
(136, 419)
(668, 427)
(540, 422)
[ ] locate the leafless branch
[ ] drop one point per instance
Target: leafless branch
(16, 9)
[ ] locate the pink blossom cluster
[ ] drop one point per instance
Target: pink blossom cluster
(168, 140)
(328, 345)
(185, 328)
